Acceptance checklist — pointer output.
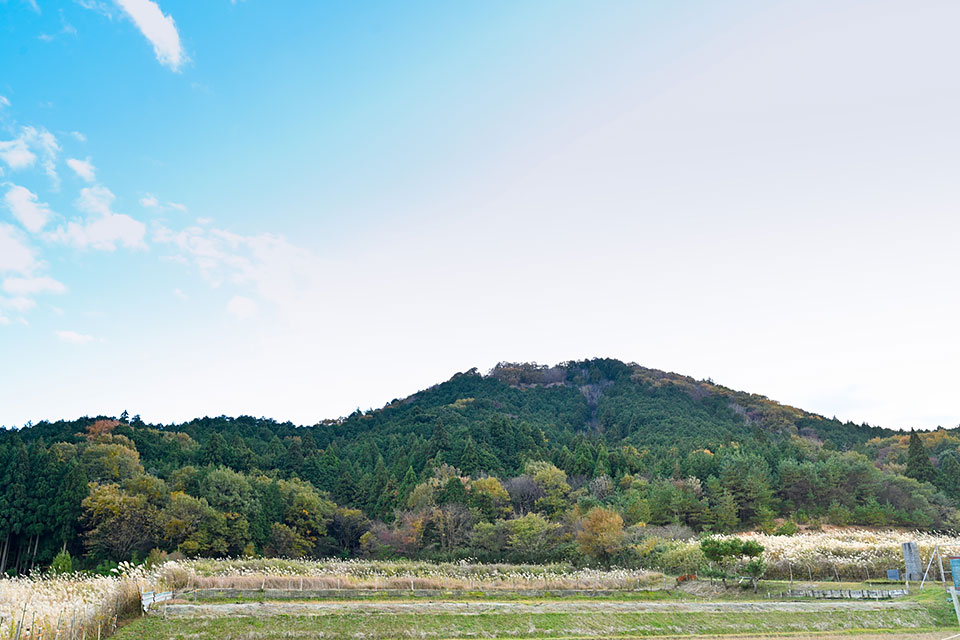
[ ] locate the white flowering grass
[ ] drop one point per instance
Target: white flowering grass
(47, 606)
(266, 573)
(855, 554)
(72, 605)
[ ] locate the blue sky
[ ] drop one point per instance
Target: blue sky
(295, 209)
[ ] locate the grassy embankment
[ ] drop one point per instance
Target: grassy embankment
(929, 616)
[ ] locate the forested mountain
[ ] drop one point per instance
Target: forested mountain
(512, 465)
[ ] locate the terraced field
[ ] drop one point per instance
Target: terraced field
(918, 617)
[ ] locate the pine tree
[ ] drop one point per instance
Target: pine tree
(440, 439)
(452, 492)
(215, 450)
(293, 460)
(950, 475)
(602, 466)
(469, 459)
(346, 490)
(918, 460)
(406, 486)
(583, 460)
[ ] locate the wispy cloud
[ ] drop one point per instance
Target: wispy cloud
(20, 286)
(16, 154)
(15, 255)
(65, 29)
(83, 168)
(21, 152)
(72, 337)
(150, 201)
(158, 28)
(242, 307)
(26, 208)
(103, 228)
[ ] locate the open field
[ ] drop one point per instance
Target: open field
(272, 598)
(216, 610)
(537, 621)
(727, 613)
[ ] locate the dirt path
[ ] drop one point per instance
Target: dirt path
(485, 607)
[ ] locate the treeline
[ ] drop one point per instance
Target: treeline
(581, 462)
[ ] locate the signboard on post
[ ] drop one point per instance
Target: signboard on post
(955, 571)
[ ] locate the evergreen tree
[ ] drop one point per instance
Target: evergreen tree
(346, 489)
(406, 486)
(950, 475)
(214, 451)
(452, 493)
(583, 460)
(293, 460)
(469, 459)
(602, 465)
(440, 439)
(918, 460)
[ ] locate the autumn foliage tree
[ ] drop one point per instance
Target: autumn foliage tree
(601, 535)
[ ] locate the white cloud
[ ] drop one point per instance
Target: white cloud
(99, 6)
(104, 229)
(16, 153)
(277, 270)
(4, 102)
(65, 29)
(83, 168)
(149, 201)
(180, 294)
(46, 143)
(25, 207)
(18, 303)
(31, 286)
(19, 153)
(15, 255)
(96, 199)
(78, 136)
(72, 337)
(242, 307)
(159, 29)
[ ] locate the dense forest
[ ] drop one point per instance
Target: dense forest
(583, 461)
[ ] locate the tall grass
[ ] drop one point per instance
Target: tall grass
(405, 574)
(849, 554)
(46, 606)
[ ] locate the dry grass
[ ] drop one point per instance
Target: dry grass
(48, 606)
(356, 574)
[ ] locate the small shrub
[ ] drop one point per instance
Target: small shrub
(788, 528)
(62, 563)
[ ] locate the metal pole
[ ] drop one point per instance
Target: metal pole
(956, 603)
(943, 578)
(936, 551)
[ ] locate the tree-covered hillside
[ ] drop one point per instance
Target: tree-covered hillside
(524, 463)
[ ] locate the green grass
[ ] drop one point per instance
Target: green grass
(526, 625)
(931, 612)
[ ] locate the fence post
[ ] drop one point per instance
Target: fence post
(22, 617)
